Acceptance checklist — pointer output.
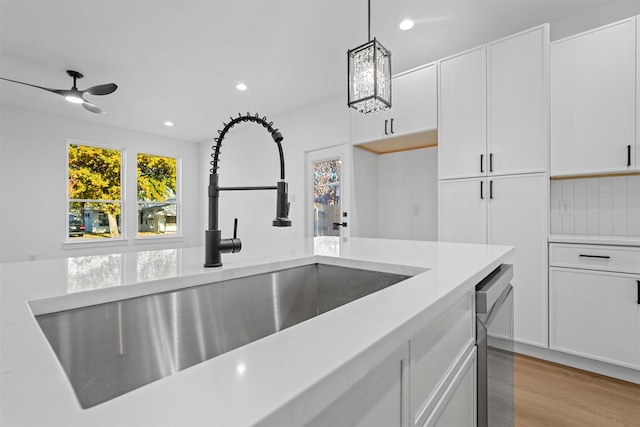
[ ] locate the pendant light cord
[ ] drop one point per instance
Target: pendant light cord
(369, 18)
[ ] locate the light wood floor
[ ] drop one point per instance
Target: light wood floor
(547, 394)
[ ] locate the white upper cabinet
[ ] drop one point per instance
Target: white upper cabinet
(414, 108)
(493, 117)
(593, 101)
(517, 99)
(462, 118)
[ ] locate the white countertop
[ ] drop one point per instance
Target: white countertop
(595, 240)
(285, 379)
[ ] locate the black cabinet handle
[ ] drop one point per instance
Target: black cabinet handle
(491, 189)
(628, 155)
(490, 162)
(386, 132)
(392, 126)
(481, 162)
(638, 282)
(482, 190)
(596, 256)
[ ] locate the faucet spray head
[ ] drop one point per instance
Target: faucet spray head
(282, 206)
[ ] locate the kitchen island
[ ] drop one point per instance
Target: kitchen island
(288, 378)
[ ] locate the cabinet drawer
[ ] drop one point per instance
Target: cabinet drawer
(595, 257)
(436, 355)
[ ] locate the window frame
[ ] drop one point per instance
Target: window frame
(178, 234)
(68, 242)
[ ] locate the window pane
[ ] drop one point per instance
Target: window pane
(157, 219)
(156, 178)
(94, 173)
(90, 220)
(157, 195)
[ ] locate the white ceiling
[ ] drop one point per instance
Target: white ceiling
(180, 60)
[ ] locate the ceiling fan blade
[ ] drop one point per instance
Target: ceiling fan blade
(94, 109)
(104, 89)
(58, 91)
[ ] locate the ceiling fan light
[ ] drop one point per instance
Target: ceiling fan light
(74, 99)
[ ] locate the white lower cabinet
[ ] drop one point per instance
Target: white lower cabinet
(507, 210)
(437, 354)
(429, 380)
(458, 405)
(595, 314)
(379, 399)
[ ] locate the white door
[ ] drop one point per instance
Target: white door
(517, 216)
(517, 103)
(462, 211)
(462, 117)
(327, 194)
(414, 101)
(595, 314)
(593, 81)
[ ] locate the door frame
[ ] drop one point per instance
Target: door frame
(342, 151)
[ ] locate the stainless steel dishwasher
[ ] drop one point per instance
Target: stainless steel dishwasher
(494, 338)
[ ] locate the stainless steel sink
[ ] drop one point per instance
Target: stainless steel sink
(110, 349)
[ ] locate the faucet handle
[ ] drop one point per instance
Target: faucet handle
(235, 228)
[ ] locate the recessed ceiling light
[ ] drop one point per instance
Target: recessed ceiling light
(168, 123)
(241, 86)
(405, 25)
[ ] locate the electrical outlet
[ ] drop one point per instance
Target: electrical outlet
(565, 207)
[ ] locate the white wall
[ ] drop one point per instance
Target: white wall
(396, 194)
(250, 157)
(608, 206)
(408, 201)
(33, 185)
(365, 193)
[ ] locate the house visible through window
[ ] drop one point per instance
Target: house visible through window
(94, 192)
(157, 195)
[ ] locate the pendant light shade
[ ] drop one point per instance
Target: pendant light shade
(369, 74)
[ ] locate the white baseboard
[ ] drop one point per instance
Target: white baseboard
(602, 368)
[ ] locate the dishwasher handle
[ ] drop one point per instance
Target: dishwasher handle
(490, 289)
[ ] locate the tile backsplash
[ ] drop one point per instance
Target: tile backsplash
(596, 206)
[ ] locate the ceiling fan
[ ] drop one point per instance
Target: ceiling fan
(77, 96)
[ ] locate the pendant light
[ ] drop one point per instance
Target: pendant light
(369, 74)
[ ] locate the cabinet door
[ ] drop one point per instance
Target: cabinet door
(593, 90)
(458, 405)
(517, 103)
(462, 133)
(595, 315)
(379, 399)
(518, 217)
(368, 127)
(462, 211)
(638, 93)
(415, 106)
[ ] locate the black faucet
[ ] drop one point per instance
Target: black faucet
(215, 245)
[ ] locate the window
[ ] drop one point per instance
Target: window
(94, 192)
(157, 195)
